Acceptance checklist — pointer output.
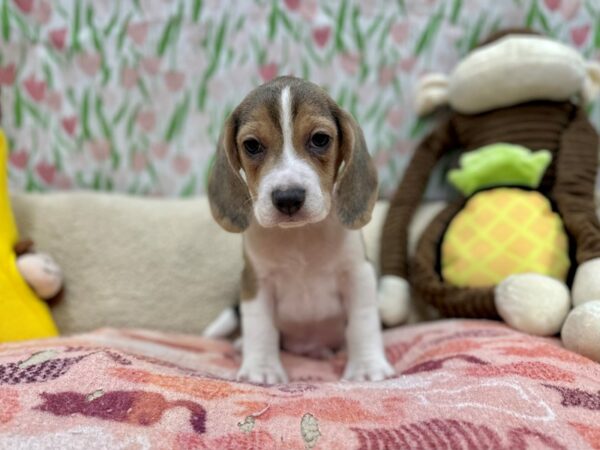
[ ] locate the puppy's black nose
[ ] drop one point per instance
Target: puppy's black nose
(288, 201)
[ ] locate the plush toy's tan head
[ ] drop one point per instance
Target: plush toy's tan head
(508, 68)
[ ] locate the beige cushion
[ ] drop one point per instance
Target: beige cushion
(132, 262)
(140, 262)
(152, 263)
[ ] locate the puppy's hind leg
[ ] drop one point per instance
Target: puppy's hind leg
(224, 325)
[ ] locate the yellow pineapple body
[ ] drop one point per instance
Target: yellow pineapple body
(502, 232)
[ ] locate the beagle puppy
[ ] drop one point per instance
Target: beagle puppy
(292, 172)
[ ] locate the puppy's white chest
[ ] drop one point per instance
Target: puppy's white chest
(303, 273)
(308, 307)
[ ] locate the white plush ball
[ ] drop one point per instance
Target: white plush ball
(394, 300)
(581, 331)
(42, 273)
(533, 303)
(586, 285)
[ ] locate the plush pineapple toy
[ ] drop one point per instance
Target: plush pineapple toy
(506, 226)
(23, 280)
(522, 242)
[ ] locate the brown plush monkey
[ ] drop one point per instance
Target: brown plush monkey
(517, 89)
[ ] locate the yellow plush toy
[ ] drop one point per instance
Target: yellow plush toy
(22, 280)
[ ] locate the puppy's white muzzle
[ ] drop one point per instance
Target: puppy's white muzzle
(290, 195)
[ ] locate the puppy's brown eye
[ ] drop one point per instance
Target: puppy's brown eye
(253, 147)
(319, 141)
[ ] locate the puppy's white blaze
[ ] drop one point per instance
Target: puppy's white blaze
(286, 124)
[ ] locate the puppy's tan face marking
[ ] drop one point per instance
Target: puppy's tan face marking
(311, 132)
(289, 155)
(279, 156)
(261, 128)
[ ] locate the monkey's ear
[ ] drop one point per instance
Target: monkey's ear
(228, 194)
(591, 84)
(432, 92)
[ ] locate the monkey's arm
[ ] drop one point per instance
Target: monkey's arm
(577, 165)
(406, 200)
(576, 169)
(394, 293)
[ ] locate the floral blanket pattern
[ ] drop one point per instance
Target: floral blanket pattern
(130, 96)
(461, 385)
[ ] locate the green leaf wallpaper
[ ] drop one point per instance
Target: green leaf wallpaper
(130, 96)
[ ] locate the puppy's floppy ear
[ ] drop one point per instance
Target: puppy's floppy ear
(356, 187)
(228, 194)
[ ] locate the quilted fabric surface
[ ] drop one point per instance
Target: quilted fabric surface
(461, 384)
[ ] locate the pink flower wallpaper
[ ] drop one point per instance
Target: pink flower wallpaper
(130, 96)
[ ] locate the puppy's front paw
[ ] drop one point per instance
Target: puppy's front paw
(262, 372)
(372, 369)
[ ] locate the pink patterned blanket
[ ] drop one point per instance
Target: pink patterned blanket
(462, 384)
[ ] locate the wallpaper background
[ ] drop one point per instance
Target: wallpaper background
(130, 96)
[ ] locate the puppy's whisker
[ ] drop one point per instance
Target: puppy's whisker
(249, 201)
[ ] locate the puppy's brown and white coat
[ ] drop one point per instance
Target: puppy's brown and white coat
(292, 172)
